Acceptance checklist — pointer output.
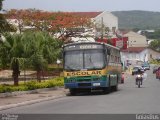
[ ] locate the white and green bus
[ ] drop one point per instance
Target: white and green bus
(91, 66)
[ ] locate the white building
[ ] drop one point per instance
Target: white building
(137, 54)
(136, 40)
(108, 19)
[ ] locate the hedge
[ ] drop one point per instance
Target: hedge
(32, 85)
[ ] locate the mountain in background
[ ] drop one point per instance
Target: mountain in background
(138, 19)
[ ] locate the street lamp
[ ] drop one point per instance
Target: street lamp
(58, 63)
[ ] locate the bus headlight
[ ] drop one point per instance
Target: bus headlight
(96, 79)
(71, 80)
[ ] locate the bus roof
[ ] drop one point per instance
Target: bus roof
(97, 43)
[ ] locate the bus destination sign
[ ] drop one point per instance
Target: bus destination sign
(82, 47)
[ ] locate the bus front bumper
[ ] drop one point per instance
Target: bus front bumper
(86, 84)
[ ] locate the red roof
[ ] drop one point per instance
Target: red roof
(134, 49)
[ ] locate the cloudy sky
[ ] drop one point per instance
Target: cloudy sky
(83, 5)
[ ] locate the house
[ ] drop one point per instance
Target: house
(16, 23)
(102, 21)
(106, 18)
(134, 55)
(136, 40)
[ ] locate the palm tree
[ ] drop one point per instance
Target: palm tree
(39, 64)
(16, 72)
(42, 49)
(5, 51)
(35, 48)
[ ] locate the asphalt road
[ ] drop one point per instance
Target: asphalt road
(128, 99)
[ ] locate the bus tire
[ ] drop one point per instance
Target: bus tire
(116, 87)
(107, 90)
(73, 91)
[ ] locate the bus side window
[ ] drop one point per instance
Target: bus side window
(108, 51)
(115, 59)
(119, 60)
(111, 60)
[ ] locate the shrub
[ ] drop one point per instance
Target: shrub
(155, 62)
(19, 88)
(32, 85)
(5, 89)
(1, 89)
(55, 68)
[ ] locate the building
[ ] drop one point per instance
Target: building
(134, 55)
(109, 20)
(117, 42)
(136, 40)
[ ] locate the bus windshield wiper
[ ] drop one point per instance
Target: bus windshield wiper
(92, 68)
(70, 68)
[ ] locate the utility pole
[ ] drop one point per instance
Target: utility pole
(102, 26)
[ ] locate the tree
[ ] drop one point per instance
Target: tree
(4, 26)
(48, 21)
(1, 4)
(5, 50)
(155, 45)
(39, 64)
(153, 35)
(15, 64)
(31, 49)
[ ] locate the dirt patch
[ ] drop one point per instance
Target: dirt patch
(8, 73)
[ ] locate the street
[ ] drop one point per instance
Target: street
(129, 99)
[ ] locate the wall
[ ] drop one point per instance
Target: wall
(109, 20)
(136, 40)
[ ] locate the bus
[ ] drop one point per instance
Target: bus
(91, 66)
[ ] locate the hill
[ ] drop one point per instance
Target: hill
(138, 19)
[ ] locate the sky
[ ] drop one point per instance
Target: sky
(83, 5)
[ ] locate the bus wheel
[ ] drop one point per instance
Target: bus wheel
(73, 91)
(106, 90)
(115, 88)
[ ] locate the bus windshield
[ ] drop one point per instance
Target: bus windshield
(84, 59)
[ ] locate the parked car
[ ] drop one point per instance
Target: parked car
(155, 68)
(146, 66)
(158, 73)
(135, 70)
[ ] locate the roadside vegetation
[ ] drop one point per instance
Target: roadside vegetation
(32, 85)
(157, 62)
(30, 50)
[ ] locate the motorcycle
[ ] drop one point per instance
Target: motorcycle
(139, 79)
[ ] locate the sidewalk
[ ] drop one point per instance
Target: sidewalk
(31, 97)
